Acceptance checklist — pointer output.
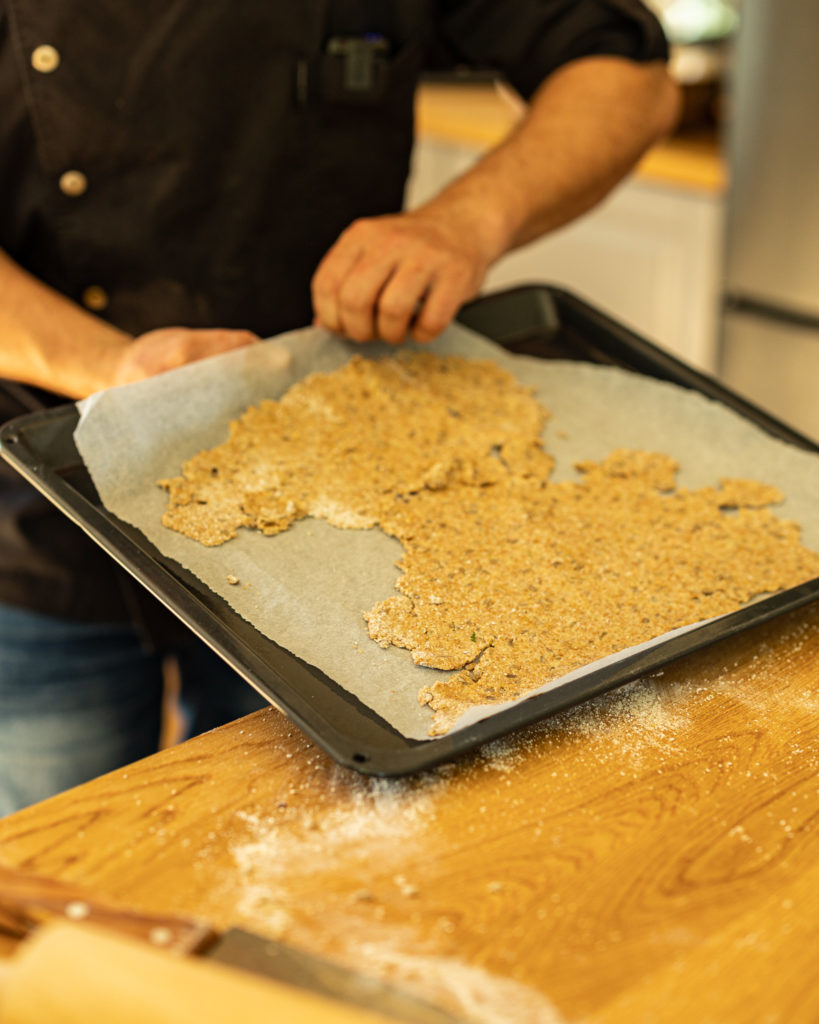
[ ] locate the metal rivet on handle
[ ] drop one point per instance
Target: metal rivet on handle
(76, 910)
(160, 935)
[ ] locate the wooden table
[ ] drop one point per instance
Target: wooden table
(650, 856)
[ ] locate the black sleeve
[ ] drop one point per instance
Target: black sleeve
(528, 39)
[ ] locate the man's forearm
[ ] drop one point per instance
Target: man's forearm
(586, 127)
(49, 341)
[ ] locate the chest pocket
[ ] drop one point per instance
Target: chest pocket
(373, 51)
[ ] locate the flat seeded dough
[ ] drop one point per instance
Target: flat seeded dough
(507, 578)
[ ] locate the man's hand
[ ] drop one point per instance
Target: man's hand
(169, 347)
(586, 127)
(387, 277)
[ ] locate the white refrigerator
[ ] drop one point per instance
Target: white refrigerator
(769, 349)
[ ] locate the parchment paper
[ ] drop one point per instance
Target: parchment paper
(308, 587)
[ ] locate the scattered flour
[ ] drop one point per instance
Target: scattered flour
(368, 821)
(621, 725)
(363, 817)
(470, 992)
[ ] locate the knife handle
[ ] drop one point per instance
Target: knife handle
(75, 974)
(27, 901)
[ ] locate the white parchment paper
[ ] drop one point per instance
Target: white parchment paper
(307, 588)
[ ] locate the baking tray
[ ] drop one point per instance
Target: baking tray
(536, 320)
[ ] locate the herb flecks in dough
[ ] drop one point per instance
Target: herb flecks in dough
(507, 578)
(553, 576)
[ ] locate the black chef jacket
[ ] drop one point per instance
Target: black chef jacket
(190, 164)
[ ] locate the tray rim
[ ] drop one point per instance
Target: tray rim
(407, 755)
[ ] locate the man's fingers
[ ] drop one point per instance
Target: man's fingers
(211, 341)
(359, 295)
(383, 270)
(451, 289)
(167, 348)
(399, 301)
(330, 275)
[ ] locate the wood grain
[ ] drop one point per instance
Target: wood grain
(652, 855)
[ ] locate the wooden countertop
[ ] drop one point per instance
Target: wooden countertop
(480, 115)
(651, 856)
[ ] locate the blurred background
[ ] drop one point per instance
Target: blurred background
(711, 247)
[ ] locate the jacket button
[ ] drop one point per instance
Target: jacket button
(95, 298)
(45, 58)
(73, 183)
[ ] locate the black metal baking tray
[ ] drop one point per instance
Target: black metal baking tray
(534, 319)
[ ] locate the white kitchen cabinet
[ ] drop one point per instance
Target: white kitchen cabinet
(649, 255)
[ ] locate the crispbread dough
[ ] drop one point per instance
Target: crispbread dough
(340, 446)
(507, 577)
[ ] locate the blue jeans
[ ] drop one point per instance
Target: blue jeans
(80, 699)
